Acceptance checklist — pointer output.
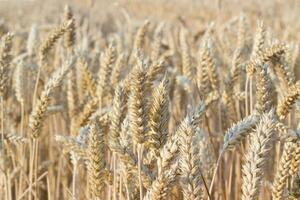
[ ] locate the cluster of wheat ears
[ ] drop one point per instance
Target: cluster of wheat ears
(152, 114)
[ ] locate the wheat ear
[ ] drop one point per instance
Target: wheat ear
(116, 117)
(38, 113)
(282, 172)
(5, 58)
(185, 55)
(239, 131)
(162, 184)
(71, 32)
(159, 116)
(107, 60)
(96, 163)
(139, 40)
(137, 104)
(52, 38)
(116, 71)
(295, 160)
(157, 43)
(285, 106)
(203, 80)
(272, 54)
(264, 90)
(87, 80)
(259, 39)
(256, 157)
(191, 180)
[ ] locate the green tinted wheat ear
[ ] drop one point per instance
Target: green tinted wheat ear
(39, 111)
(96, 165)
(256, 157)
(282, 173)
(71, 33)
(239, 131)
(159, 116)
(5, 58)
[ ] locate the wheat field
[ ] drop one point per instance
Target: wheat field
(150, 100)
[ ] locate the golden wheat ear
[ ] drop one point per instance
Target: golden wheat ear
(96, 163)
(39, 111)
(284, 107)
(264, 92)
(282, 173)
(117, 116)
(137, 104)
(104, 74)
(53, 37)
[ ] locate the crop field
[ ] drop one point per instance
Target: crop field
(150, 100)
